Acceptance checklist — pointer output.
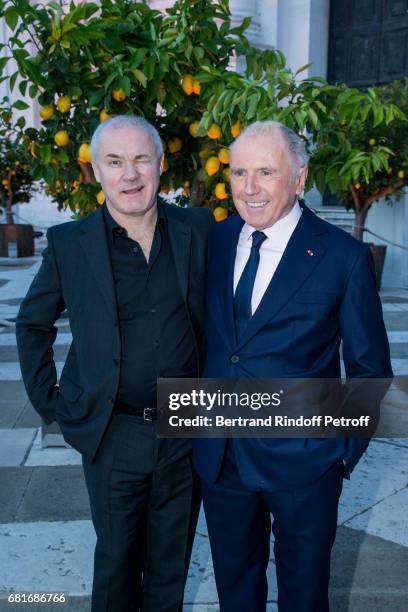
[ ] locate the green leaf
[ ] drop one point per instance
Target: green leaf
(11, 17)
(137, 58)
(96, 97)
(23, 87)
(20, 105)
(32, 91)
(3, 62)
(141, 77)
(13, 80)
(303, 68)
(46, 153)
(313, 117)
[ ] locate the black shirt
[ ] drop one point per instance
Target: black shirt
(157, 339)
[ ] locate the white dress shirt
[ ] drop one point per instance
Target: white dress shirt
(271, 251)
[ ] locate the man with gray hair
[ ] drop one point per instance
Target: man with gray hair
(284, 289)
(131, 276)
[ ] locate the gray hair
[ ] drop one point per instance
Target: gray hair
(126, 121)
(295, 144)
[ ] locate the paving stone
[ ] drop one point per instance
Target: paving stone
(13, 484)
(15, 445)
(9, 353)
(55, 494)
(368, 572)
(10, 411)
(28, 417)
(12, 390)
(52, 456)
(381, 472)
(10, 370)
(396, 321)
(399, 351)
(386, 519)
(47, 556)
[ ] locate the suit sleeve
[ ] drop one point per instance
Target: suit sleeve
(36, 333)
(366, 351)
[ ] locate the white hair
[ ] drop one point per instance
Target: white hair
(126, 121)
(295, 144)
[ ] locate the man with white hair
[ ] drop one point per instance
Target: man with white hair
(284, 289)
(131, 276)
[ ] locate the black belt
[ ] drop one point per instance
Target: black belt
(148, 414)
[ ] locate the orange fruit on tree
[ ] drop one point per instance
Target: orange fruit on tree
(188, 84)
(220, 192)
(118, 94)
(197, 87)
(220, 213)
(64, 104)
(100, 198)
(236, 129)
(214, 132)
(85, 153)
(206, 153)
(223, 156)
(5, 182)
(104, 115)
(227, 174)
(372, 142)
(175, 144)
(212, 165)
(193, 128)
(61, 138)
(401, 174)
(46, 112)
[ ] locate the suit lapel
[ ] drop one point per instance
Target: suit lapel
(225, 261)
(180, 242)
(94, 244)
(301, 256)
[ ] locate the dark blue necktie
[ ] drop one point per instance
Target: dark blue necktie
(245, 287)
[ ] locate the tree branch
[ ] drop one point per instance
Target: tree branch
(355, 197)
(385, 191)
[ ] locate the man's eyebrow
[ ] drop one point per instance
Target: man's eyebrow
(141, 156)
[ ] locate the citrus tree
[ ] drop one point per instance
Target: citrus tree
(87, 62)
(16, 182)
(362, 148)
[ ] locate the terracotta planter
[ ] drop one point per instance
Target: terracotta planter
(21, 235)
(379, 252)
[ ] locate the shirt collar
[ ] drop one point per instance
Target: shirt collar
(113, 226)
(279, 232)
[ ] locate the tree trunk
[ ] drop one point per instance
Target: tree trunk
(359, 223)
(196, 193)
(9, 211)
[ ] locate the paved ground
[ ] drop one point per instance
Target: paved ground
(47, 539)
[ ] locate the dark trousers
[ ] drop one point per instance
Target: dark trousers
(304, 526)
(144, 506)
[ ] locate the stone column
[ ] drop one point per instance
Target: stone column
(303, 34)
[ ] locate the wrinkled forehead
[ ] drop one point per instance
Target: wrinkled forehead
(125, 141)
(260, 150)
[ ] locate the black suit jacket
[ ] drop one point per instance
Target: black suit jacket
(76, 275)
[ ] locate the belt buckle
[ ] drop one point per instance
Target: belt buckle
(146, 414)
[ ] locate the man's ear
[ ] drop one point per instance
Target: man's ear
(96, 170)
(301, 178)
(161, 164)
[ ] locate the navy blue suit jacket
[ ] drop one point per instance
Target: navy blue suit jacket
(312, 303)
